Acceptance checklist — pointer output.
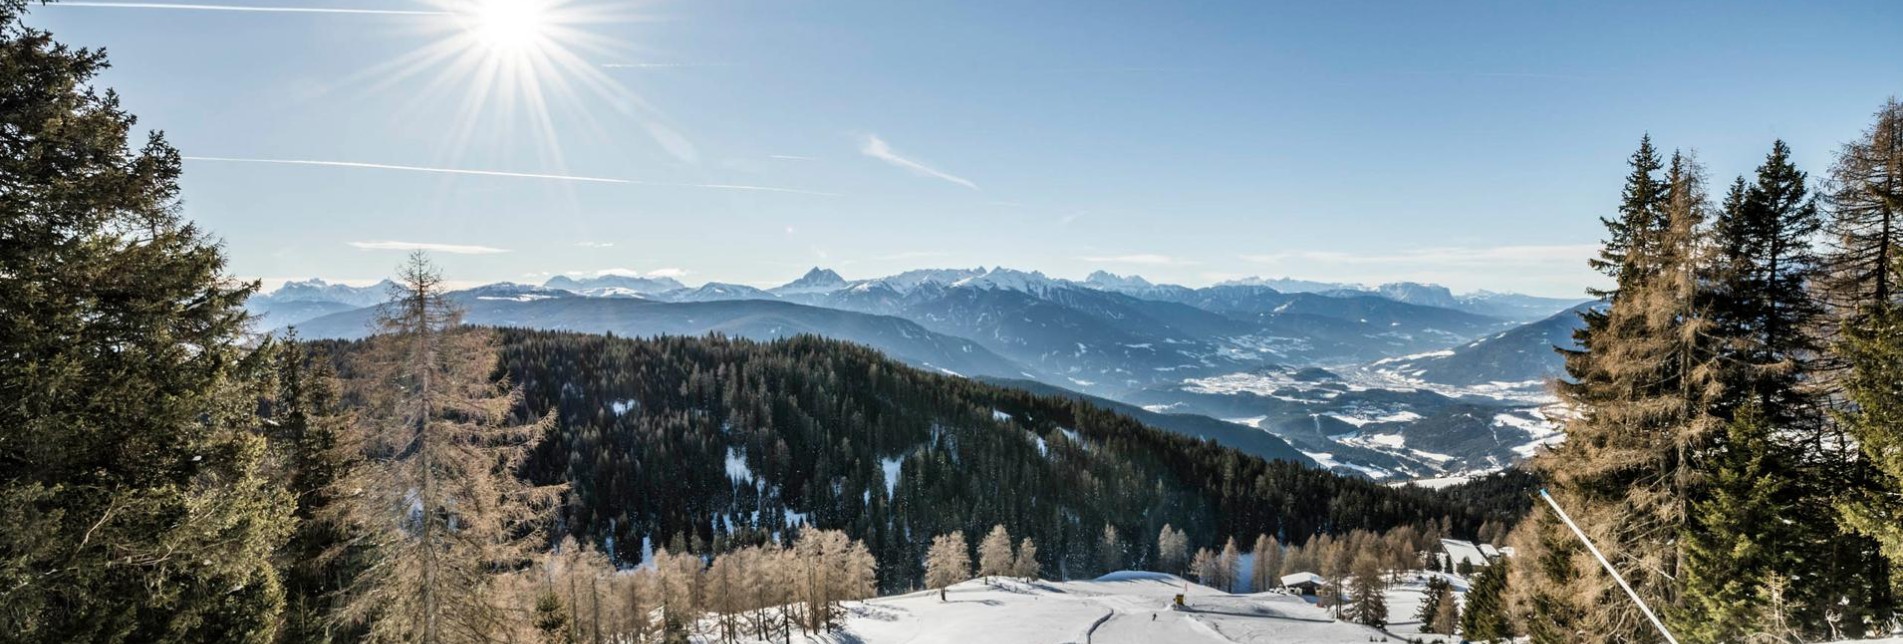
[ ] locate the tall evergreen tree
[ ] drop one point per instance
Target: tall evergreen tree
(436, 500)
(1737, 536)
(311, 430)
(1642, 389)
(132, 491)
(1873, 349)
(1439, 611)
(1484, 618)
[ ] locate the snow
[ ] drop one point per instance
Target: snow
(891, 468)
(621, 407)
(737, 469)
(1000, 416)
(1119, 608)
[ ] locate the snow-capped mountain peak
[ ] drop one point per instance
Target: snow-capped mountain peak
(817, 280)
(1108, 281)
(1001, 278)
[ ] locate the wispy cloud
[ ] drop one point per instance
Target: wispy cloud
(910, 254)
(501, 173)
(1445, 256)
(595, 244)
(877, 148)
(453, 249)
(248, 8)
(629, 272)
(791, 157)
(1146, 259)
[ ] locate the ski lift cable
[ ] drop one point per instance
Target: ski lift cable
(1608, 565)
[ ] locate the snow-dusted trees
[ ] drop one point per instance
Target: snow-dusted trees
(1110, 550)
(435, 507)
(1228, 566)
(1266, 564)
(948, 561)
(1172, 550)
(1025, 565)
(994, 553)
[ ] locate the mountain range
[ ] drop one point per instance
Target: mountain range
(1402, 379)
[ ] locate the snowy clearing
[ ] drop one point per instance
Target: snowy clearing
(1123, 607)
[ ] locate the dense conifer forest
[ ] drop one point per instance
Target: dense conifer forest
(710, 444)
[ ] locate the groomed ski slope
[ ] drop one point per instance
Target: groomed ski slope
(1113, 609)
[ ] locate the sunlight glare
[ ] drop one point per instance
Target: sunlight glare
(510, 27)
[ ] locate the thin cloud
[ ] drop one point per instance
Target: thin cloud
(877, 148)
(249, 8)
(453, 249)
(1146, 259)
(676, 273)
(1447, 256)
(595, 244)
(500, 173)
(791, 157)
(910, 254)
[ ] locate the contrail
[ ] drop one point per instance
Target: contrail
(248, 8)
(500, 173)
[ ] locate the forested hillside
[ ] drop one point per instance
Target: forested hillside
(712, 443)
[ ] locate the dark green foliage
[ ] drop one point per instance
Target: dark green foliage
(551, 618)
(647, 430)
(132, 489)
(308, 429)
(1873, 348)
(1436, 601)
(1484, 618)
(1738, 534)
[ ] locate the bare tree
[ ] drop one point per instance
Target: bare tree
(435, 505)
(1025, 567)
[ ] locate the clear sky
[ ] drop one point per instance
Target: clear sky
(1471, 144)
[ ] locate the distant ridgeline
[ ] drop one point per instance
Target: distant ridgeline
(709, 443)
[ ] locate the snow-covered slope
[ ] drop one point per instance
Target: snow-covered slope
(1124, 607)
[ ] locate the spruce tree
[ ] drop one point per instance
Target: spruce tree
(1439, 611)
(1484, 618)
(1737, 536)
(1873, 349)
(133, 493)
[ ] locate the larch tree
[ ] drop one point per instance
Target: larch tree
(1229, 566)
(994, 553)
(1172, 550)
(1025, 565)
(435, 503)
(1641, 389)
(1439, 611)
(1203, 567)
(1863, 269)
(948, 561)
(133, 487)
(1367, 600)
(1109, 550)
(1265, 563)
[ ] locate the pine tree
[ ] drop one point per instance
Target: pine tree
(133, 490)
(994, 553)
(948, 561)
(551, 619)
(436, 499)
(1484, 619)
(1367, 602)
(1265, 564)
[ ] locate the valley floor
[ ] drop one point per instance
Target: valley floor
(1126, 607)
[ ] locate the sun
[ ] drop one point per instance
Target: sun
(510, 27)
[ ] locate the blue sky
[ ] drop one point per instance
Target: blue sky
(1471, 144)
